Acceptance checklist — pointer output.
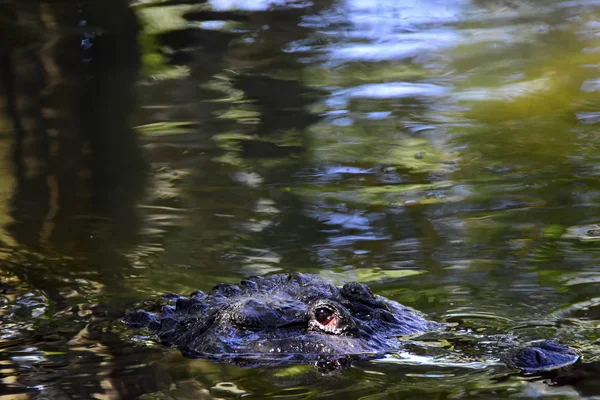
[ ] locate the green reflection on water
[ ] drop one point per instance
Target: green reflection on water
(468, 192)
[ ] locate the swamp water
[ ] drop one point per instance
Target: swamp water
(447, 153)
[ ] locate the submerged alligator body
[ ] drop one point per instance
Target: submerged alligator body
(301, 318)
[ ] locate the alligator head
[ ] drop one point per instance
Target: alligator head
(282, 318)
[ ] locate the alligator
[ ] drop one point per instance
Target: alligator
(302, 318)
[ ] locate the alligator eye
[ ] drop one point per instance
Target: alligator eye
(331, 319)
(325, 316)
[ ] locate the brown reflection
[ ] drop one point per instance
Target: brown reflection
(72, 177)
(76, 172)
(68, 92)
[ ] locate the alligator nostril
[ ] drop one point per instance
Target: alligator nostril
(538, 358)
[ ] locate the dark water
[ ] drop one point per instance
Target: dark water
(445, 152)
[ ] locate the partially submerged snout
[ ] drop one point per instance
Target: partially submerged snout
(540, 356)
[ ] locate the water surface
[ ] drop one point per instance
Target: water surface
(444, 152)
